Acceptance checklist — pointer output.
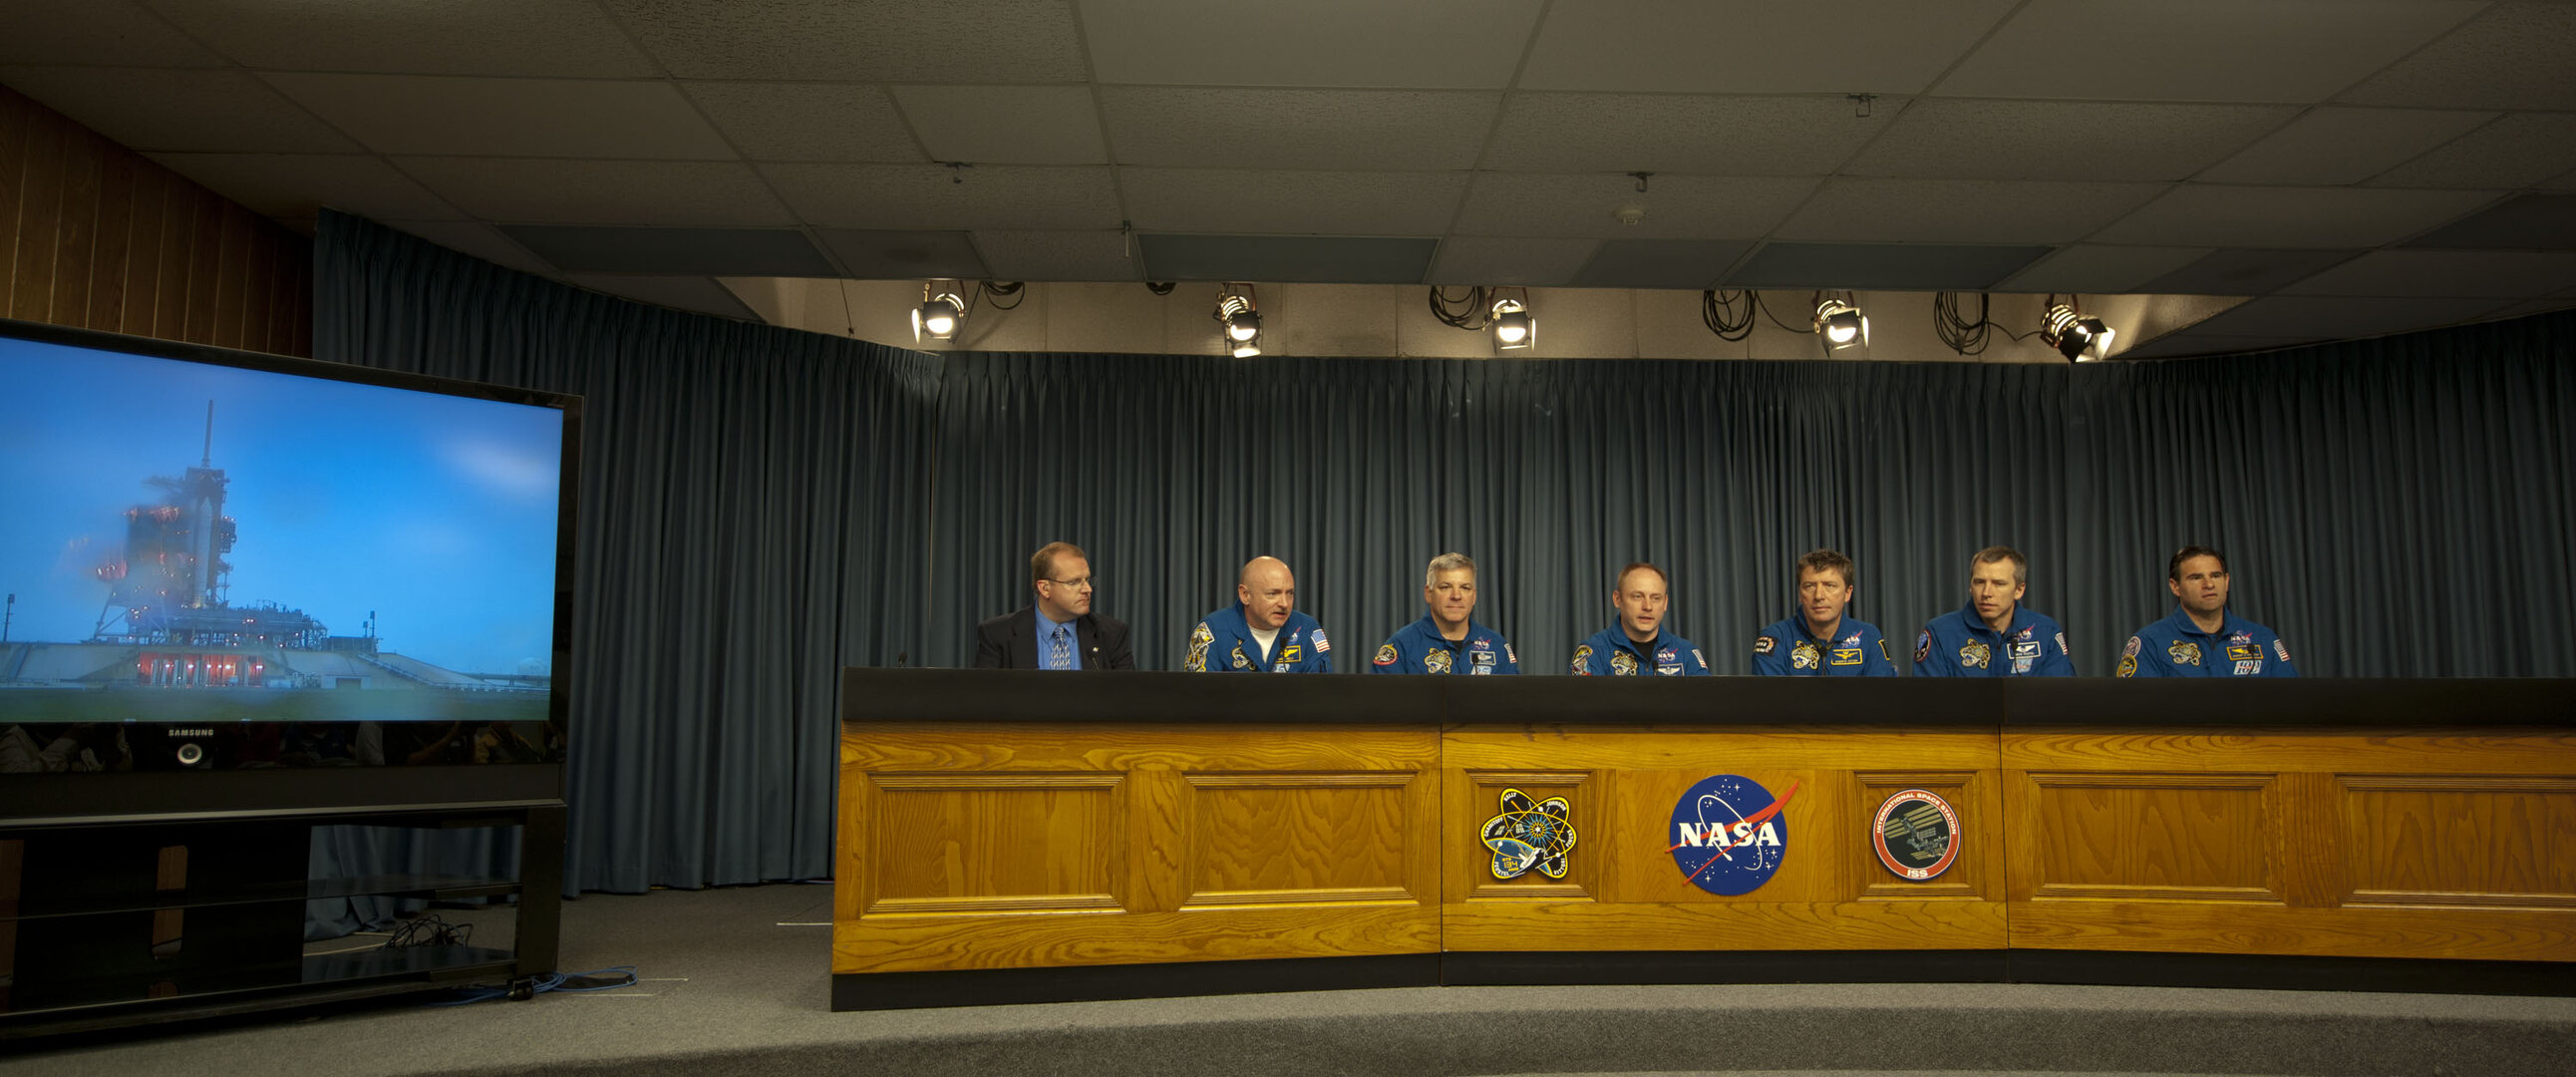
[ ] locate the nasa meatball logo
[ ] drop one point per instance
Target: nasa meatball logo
(1916, 834)
(1728, 834)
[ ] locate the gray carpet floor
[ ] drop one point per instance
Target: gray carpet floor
(737, 981)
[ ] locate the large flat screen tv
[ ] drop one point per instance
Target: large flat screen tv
(220, 561)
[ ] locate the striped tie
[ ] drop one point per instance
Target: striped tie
(1060, 653)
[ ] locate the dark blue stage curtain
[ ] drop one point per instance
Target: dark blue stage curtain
(2394, 507)
(760, 507)
(748, 518)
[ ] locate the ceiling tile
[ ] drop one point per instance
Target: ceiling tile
(971, 41)
(1027, 125)
(1286, 203)
(2338, 318)
(1718, 136)
(880, 255)
(2333, 146)
(2198, 50)
(731, 252)
(2520, 150)
(438, 114)
(936, 197)
(178, 111)
(1468, 260)
(1319, 259)
(1095, 255)
(1676, 207)
(698, 294)
(1692, 46)
(2505, 274)
(2312, 217)
(555, 38)
(1659, 263)
(807, 121)
(1962, 211)
(1414, 130)
(707, 193)
(2100, 270)
(478, 239)
(2512, 57)
(1427, 44)
(1882, 266)
(2533, 222)
(2063, 140)
(2242, 272)
(116, 32)
(296, 184)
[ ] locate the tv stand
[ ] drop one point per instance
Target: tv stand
(109, 921)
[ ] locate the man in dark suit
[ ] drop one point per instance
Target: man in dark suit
(1058, 631)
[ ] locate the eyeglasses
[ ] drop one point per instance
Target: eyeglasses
(1087, 581)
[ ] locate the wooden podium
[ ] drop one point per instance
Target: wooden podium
(1016, 836)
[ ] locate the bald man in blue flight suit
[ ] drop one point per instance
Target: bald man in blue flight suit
(1262, 632)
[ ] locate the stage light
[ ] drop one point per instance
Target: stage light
(1840, 324)
(942, 311)
(1512, 324)
(1238, 321)
(2079, 337)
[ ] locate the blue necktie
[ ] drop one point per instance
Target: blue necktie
(1059, 654)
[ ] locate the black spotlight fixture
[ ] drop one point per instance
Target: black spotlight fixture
(1839, 323)
(1239, 320)
(942, 311)
(2080, 337)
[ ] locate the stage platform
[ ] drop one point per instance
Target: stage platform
(737, 981)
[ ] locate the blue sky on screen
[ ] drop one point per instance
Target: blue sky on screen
(436, 513)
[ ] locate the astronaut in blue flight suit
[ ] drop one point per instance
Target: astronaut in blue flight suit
(1638, 646)
(1993, 635)
(1447, 639)
(2202, 639)
(1817, 640)
(1262, 631)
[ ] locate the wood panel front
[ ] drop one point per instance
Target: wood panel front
(2355, 843)
(1025, 845)
(1623, 889)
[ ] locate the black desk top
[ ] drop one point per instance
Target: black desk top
(936, 695)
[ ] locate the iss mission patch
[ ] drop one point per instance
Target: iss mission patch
(1728, 834)
(1916, 834)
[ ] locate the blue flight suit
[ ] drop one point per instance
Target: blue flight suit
(2175, 647)
(1784, 649)
(1223, 643)
(1959, 644)
(1610, 653)
(1420, 648)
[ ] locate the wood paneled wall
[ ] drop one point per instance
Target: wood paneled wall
(96, 236)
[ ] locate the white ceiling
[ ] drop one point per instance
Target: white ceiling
(2358, 166)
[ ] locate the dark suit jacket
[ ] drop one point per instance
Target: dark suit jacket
(1010, 641)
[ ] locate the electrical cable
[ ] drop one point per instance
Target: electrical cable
(1765, 308)
(996, 292)
(1718, 311)
(1468, 312)
(552, 981)
(1963, 336)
